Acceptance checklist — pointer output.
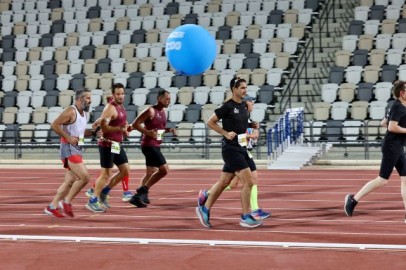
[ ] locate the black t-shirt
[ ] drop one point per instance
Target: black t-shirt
(235, 118)
(397, 112)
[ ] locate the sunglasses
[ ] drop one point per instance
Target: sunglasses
(237, 80)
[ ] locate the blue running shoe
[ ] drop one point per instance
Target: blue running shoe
(127, 195)
(259, 214)
(204, 216)
(202, 198)
(247, 221)
(95, 207)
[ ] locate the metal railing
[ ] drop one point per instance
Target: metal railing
(207, 147)
(306, 57)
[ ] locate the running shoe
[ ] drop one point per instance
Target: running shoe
(248, 221)
(204, 216)
(144, 198)
(143, 194)
(67, 208)
(89, 193)
(127, 195)
(202, 198)
(53, 212)
(136, 201)
(104, 200)
(259, 214)
(349, 204)
(95, 207)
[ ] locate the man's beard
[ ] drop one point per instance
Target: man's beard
(119, 102)
(85, 106)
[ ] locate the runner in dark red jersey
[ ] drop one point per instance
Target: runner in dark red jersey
(152, 124)
(114, 127)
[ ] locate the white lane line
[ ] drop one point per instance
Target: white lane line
(264, 230)
(202, 242)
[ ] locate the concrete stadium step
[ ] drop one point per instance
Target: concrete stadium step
(296, 156)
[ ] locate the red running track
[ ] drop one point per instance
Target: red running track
(307, 209)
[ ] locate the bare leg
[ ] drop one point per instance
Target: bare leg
(82, 174)
(101, 181)
(149, 172)
(370, 186)
(218, 188)
(157, 175)
(403, 189)
(123, 170)
(234, 183)
(63, 189)
(246, 178)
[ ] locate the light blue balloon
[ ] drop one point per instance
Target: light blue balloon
(190, 49)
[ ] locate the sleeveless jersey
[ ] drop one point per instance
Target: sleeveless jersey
(76, 129)
(121, 120)
(158, 122)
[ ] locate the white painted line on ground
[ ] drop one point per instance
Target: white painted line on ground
(202, 242)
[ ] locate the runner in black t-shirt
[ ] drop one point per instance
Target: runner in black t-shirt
(392, 150)
(234, 117)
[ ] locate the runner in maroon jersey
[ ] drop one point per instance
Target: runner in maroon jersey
(152, 124)
(114, 127)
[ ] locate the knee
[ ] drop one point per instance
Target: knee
(125, 171)
(163, 171)
(249, 183)
(86, 178)
(381, 182)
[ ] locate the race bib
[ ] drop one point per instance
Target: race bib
(81, 140)
(115, 147)
(242, 139)
(160, 134)
(249, 154)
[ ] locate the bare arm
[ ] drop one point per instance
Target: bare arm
(108, 114)
(66, 117)
(384, 122)
(139, 121)
(395, 128)
(96, 123)
(212, 123)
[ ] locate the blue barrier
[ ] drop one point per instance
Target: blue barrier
(287, 130)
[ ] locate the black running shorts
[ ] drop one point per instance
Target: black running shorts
(392, 159)
(153, 156)
(236, 158)
(107, 159)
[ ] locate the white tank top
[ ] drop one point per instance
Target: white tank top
(77, 128)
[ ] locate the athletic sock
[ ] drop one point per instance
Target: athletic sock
(106, 190)
(254, 198)
(124, 181)
(52, 207)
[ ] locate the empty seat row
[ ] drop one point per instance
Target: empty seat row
(349, 92)
(369, 74)
(341, 110)
(368, 42)
(375, 57)
(349, 131)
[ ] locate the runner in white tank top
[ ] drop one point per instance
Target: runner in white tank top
(71, 126)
